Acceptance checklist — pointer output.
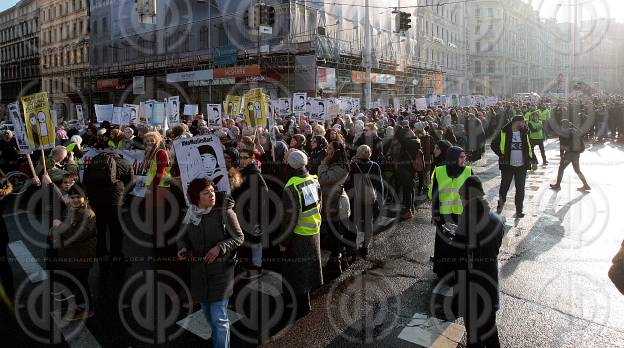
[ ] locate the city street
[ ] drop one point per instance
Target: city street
(553, 280)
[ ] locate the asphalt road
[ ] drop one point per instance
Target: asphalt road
(553, 277)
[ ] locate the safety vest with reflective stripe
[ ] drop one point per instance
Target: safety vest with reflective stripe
(539, 134)
(151, 173)
(448, 190)
(112, 144)
(545, 115)
(309, 214)
(503, 141)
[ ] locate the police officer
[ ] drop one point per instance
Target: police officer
(446, 205)
(302, 225)
(515, 157)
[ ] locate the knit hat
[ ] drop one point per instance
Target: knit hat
(101, 131)
(472, 188)
(297, 159)
(76, 139)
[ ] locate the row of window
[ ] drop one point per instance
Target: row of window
(19, 30)
(491, 67)
(67, 57)
(13, 71)
(55, 11)
(19, 50)
(65, 31)
(448, 60)
(61, 84)
(440, 32)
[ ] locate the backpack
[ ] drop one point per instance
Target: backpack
(102, 170)
(418, 163)
(363, 186)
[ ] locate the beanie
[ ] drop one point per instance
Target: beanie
(297, 159)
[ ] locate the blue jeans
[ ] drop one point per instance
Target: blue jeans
(217, 316)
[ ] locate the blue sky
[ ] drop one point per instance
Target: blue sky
(4, 4)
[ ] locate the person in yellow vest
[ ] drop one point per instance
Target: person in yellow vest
(75, 146)
(536, 134)
(301, 225)
(116, 139)
(156, 167)
(446, 205)
(515, 158)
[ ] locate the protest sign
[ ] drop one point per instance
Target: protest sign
(202, 157)
(191, 109)
(133, 112)
(19, 128)
(159, 113)
(421, 104)
(213, 115)
(104, 113)
(80, 115)
(232, 105)
(173, 110)
(117, 115)
(283, 106)
(38, 121)
(299, 102)
(256, 108)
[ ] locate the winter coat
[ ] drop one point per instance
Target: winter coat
(376, 145)
(504, 160)
(251, 198)
(487, 229)
(76, 239)
(316, 157)
(359, 167)
(332, 178)
(57, 170)
(105, 194)
(212, 282)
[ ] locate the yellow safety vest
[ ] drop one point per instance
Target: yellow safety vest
(448, 190)
(309, 214)
(503, 140)
(112, 144)
(70, 147)
(151, 173)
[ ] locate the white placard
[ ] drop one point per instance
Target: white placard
(173, 110)
(421, 104)
(191, 109)
(19, 128)
(117, 111)
(299, 102)
(213, 115)
(104, 113)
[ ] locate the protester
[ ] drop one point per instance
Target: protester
(208, 242)
(318, 152)
(59, 163)
(74, 146)
(515, 158)
(481, 231)
(8, 151)
(572, 144)
(301, 225)
(6, 275)
(536, 135)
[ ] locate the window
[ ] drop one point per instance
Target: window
(477, 66)
(478, 46)
(490, 12)
(80, 28)
(491, 66)
(104, 25)
(203, 37)
(477, 12)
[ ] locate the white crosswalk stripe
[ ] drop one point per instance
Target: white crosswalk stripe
(75, 332)
(28, 262)
(432, 332)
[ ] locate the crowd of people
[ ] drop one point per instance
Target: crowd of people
(332, 181)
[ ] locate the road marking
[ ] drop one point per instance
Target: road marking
(74, 335)
(28, 262)
(197, 324)
(432, 332)
(270, 284)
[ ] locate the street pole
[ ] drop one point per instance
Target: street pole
(367, 50)
(210, 48)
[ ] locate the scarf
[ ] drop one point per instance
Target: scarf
(194, 215)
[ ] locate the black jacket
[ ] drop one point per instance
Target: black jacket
(106, 194)
(251, 200)
(504, 159)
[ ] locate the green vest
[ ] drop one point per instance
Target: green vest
(112, 144)
(309, 214)
(71, 147)
(504, 140)
(538, 135)
(545, 115)
(151, 173)
(448, 190)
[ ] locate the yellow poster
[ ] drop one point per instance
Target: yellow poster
(255, 108)
(39, 126)
(232, 104)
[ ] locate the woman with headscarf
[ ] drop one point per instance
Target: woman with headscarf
(446, 205)
(439, 152)
(318, 151)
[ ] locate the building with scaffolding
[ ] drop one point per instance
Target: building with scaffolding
(205, 50)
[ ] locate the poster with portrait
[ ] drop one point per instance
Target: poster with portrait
(133, 111)
(191, 109)
(173, 110)
(232, 105)
(159, 113)
(104, 113)
(80, 115)
(213, 115)
(299, 102)
(202, 157)
(332, 108)
(117, 114)
(19, 128)
(283, 106)
(346, 105)
(356, 106)
(38, 120)
(256, 108)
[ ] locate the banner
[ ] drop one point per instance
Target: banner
(19, 128)
(232, 105)
(38, 121)
(173, 111)
(213, 115)
(191, 109)
(80, 115)
(299, 102)
(421, 104)
(132, 112)
(256, 108)
(159, 113)
(202, 157)
(104, 113)
(491, 101)
(326, 79)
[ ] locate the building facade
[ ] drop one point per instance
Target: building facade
(19, 51)
(64, 41)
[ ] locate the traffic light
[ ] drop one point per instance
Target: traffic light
(252, 16)
(267, 15)
(403, 21)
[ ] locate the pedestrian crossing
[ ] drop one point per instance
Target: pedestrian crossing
(28, 262)
(432, 332)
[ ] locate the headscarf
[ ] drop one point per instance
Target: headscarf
(452, 156)
(444, 145)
